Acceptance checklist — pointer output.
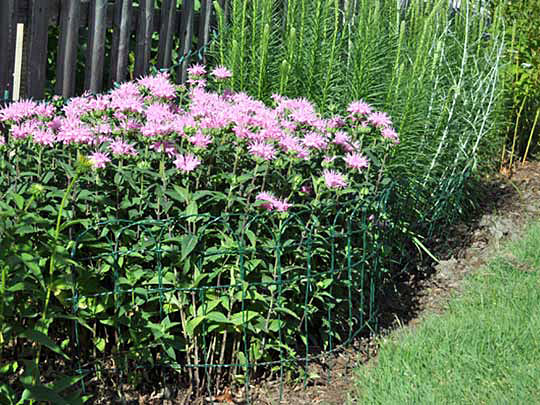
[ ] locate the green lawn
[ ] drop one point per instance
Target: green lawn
(484, 350)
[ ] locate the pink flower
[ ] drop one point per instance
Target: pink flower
(273, 202)
(266, 197)
(119, 147)
(42, 137)
(329, 159)
(342, 139)
(315, 141)
(159, 85)
(187, 163)
(221, 73)
(27, 128)
(306, 188)
(281, 205)
(262, 150)
(380, 119)
(99, 160)
(335, 122)
(18, 111)
(196, 70)
(390, 133)
(200, 140)
(356, 161)
(359, 107)
(167, 147)
(334, 179)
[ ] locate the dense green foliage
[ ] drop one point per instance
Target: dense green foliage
(168, 226)
(238, 231)
(522, 76)
(483, 350)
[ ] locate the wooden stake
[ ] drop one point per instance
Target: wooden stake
(18, 62)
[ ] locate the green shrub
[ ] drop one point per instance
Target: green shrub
(181, 228)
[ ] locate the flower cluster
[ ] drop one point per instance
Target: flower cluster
(191, 128)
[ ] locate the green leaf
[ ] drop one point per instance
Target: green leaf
(288, 312)
(192, 324)
(243, 317)
(43, 393)
(44, 340)
(182, 192)
(99, 342)
(188, 244)
(191, 210)
(64, 382)
(19, 200)
(217, 317)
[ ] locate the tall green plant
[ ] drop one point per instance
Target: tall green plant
(522, 75)
(436, 70)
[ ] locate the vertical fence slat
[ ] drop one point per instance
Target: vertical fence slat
(96, 46)
(37, 48)
(120, 45)
(67, 47)
(168, 14)
(7, 46)
(186, 35)
(144, 37)
(204, 25)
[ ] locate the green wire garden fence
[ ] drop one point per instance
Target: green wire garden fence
(214, 301)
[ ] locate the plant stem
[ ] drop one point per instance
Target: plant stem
(52, 261)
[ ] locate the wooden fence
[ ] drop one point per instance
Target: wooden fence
(96, 39)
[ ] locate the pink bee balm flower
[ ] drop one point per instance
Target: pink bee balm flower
(46, 137)
(187, 163)
(390, 133)
(200, 140)
(266, 197)
(196, 70)
(221, 73)
(99, 160)
(262, 150)
(329, 159)
(334, 179)
(306, 189)
(167, 147)
(159, 85)
(273, 202)
(18, 111)
(122, 148)
(380, 119)
(359, 107)
(281, 205)
(315, 141)
(356, 161)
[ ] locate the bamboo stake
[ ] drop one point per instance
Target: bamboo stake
(530, 137)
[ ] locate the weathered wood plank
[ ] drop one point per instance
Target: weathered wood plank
(120, 44)
(204, 25)
(67, 47)
(36, 63)
(96, 46)
(186, 37)
(144, 37)
(7, 47)
(168, 27)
